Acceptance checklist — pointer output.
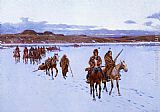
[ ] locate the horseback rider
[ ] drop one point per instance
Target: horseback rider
(25, 51)
(109, 62)
(55, 58)
(16, 52)
(64, 63)
(95, 62)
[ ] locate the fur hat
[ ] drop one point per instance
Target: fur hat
(95, 50)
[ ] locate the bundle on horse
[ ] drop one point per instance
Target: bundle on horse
(51, 63)
(41, 67)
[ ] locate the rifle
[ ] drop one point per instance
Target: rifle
(118, 55)
(109, 72)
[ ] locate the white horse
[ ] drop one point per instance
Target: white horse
(115, 75)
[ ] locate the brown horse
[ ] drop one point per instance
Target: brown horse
(114, 74)
(51, 63)
(95, 78)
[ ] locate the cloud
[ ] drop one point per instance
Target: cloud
(155, 16)
(24, 19)
(130, 22)
(149, 23)
(39, 26)
(156, 27)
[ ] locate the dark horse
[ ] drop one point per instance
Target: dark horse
(95, 78)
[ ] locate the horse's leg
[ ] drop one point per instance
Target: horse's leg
(56, 71)
(99, 91)
(118, 87)
(18, 59)
(30, 60)
(90, 89)
(111, 87)
(96, 89)
(23, 59)
(93, 93)
(106, 86)
(46, 70)
(27, 60)
(52, 72)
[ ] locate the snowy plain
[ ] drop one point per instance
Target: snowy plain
(22, 90)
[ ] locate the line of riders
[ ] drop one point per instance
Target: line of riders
(34, 54)
(96, 75)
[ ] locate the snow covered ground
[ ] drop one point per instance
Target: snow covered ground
(22, 90)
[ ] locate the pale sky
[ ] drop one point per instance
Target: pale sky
(110, 14)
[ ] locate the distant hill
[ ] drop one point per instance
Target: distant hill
(29, 32)
(8, 28)
(31, 36)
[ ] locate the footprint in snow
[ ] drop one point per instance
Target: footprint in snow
(150, 96)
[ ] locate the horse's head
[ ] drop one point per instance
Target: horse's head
(124, 66)
(55, 58)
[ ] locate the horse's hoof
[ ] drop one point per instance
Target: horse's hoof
(94, 99)
(109, 93)
(119, 94)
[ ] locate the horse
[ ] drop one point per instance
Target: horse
(115, 75)
(25, 57)
(51, 63)
(16, 55)
(95, 78)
